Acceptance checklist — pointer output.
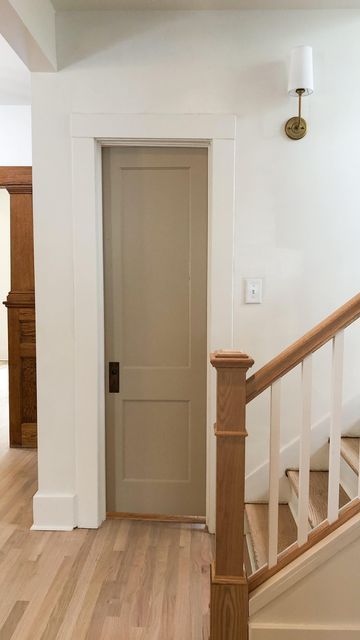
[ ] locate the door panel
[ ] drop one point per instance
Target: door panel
(163, 429)
(155, 250)
(155, 246)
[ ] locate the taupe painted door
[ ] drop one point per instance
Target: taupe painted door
(155, 243)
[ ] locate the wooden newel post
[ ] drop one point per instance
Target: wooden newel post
(229, 589)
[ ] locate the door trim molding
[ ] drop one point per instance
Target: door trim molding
(111, 128)
(155, 517)
(89, 133)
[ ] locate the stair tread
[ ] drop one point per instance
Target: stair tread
(257, 518)
(318, 495)
(350, 452)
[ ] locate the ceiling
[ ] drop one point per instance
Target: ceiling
(14, 77)
(83, 5)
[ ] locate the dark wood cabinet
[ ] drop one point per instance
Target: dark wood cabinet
(21, 308)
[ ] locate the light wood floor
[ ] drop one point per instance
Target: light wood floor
(125, 581)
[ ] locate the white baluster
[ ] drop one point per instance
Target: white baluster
(335, 426)
(304, 474)
(274, 472)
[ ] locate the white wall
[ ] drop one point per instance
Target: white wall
(297, 203)
(4, 268)
(15, 149)
(15, 135)
(15, 78)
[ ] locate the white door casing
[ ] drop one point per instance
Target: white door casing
(89, 133)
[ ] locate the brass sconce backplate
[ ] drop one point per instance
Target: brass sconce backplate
(295, 128)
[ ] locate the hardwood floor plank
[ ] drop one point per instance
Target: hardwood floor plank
(128, 580)
(78, 615)
(67, 590)
(113, 628)
(11, 622)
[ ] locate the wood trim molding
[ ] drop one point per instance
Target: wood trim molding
(23, 299)
(29, 434)
(16, 179)
(229, 607)
(310, 342)
(231, 359)
(226, 579)
(155, 517)
(231, 433)
(20, 305)
(294, 551)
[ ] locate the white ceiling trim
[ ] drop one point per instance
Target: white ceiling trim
(30, 32)
(101, 5)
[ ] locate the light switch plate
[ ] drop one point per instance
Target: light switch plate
(253, 290)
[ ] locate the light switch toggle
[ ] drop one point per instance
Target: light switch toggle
(253, 290)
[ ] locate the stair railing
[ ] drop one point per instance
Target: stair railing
(229, 583)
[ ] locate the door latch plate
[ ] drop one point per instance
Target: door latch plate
(114, 377)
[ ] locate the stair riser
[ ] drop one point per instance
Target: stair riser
(249, 545)
(252, 558)
(348, 479)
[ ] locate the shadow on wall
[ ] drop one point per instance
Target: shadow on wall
(83, 35)
(197, 37)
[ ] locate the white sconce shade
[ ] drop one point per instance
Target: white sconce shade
(301, 71)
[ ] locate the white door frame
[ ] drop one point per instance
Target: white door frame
(89, 133)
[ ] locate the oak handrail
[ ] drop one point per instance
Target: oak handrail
(309, 343)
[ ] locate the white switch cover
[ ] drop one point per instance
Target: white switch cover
(253, 290)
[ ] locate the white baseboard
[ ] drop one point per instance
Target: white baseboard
(257, 482)
(54, 512)
(260, 631)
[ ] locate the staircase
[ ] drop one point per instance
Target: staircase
(257, 514)
(256, 541)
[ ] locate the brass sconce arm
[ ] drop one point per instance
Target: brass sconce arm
(296, 127)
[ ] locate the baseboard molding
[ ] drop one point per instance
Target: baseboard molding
(154, 517)
(54, 512)
(260, 631)
(257, 482)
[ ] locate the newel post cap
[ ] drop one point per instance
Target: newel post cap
(234, 359)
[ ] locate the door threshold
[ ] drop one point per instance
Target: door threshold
(154, 517)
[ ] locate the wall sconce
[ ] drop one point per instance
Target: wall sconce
(301, 83)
